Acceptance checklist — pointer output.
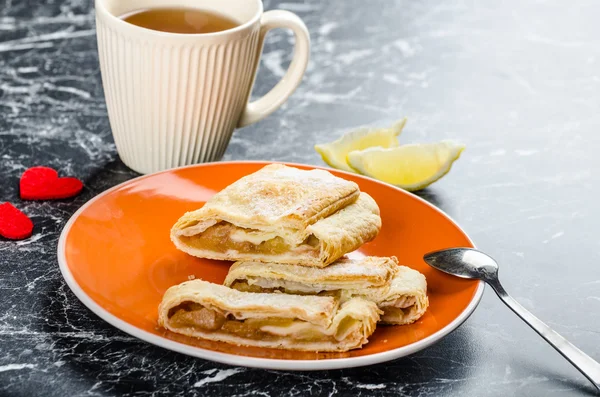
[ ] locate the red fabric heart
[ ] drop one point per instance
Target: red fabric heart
(43, 183)
(14, 224)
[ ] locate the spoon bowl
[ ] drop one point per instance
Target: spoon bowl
(473, 264)
(463, 262)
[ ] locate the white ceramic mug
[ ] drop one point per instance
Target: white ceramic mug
(175, 99)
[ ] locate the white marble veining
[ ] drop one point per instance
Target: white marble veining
(518, 82)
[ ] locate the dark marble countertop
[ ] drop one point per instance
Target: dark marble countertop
(518, 82)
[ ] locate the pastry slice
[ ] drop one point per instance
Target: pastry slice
(314, 323)
(399, 291)
(281, 214)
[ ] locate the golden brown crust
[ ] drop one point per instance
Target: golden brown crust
(345, 273)
(291, 204)
(378, 279)
(338, 234)
(406, 283)
(308, 308)
(323, 315)
(275, 197)
(347, 229)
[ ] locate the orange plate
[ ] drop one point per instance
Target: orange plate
(116, 256)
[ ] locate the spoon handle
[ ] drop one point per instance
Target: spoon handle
(584, 363)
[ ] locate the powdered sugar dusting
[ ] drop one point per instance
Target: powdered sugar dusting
(277, 191)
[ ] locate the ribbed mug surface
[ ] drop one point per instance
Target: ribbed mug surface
(175, 99)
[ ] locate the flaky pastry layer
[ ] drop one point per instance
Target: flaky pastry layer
(399, 291)
(281, 214)
(312, 323)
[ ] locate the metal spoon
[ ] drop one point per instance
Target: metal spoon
(473, 264)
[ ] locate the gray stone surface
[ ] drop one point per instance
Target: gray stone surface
(518, 82)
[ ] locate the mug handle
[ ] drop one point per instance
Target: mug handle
(261, 108)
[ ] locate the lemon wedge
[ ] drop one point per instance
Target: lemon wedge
(410, 167)
(335, 153)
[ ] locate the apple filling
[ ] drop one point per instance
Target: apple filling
(225, 236)
(399, 307)
(245, 287)
(194, 315)
(403, 307)
(287, 287)
(403, 302)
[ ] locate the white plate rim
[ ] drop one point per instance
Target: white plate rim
(256, 362)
